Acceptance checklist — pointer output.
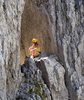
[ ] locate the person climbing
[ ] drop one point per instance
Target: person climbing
(34, 50)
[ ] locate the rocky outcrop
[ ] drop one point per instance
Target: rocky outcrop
(32, 86)
(53, 75)
(45, 82)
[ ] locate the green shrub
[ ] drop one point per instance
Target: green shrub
(30, 91)
(75, 7)
(17, 98)
(4, 6)
(37, 90)
(35, 72)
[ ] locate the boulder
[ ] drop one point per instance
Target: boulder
(53, 75)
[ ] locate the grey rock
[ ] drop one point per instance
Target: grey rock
(53, 75)
(32, 84)
(59, 27)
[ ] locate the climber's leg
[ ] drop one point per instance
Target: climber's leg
(35, 52)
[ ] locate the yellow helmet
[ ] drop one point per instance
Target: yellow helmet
(34, 40)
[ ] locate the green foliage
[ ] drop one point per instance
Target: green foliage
(37, 90)
(37, 84)
(75, 7)
(17, 98)
(35, 72)
(4, 6)
(12, 76)
(30, 91)
(29, 81)
(58, 60)
(0, 34)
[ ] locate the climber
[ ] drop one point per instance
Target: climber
(34, 50)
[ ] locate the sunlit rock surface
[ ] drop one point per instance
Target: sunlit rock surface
(53, 75)
(59, 27)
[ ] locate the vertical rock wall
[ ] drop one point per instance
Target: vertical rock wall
(70, 37)
(59, 27)
(66, 22)
(10, 31)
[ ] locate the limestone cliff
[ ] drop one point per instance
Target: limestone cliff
(59, 27)
(10, 32)
(66, 22)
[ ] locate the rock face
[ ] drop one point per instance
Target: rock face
(70, 39)
(32, 86)
(59, 27)
(35, 24)
(10, 24)
(53, 75)
(66, 22)
(46, 85)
